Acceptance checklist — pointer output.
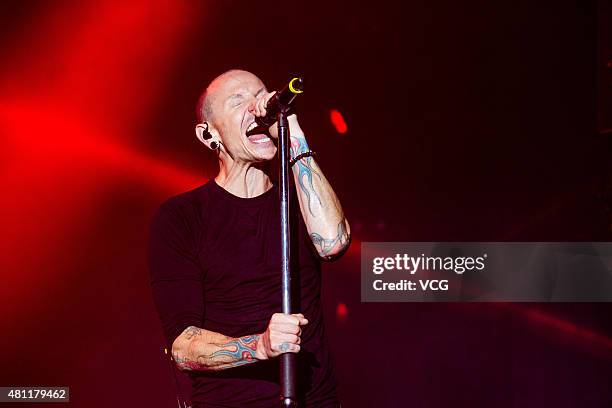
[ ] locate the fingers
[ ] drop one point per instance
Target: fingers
(302, 320)
(283, 318)
(286, 328)
(284, 333)
(289, 348)
(260, 105)
(282, 343)
(277, 340)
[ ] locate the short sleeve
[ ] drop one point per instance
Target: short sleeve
(176, 276)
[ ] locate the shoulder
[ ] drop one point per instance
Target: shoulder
(180, 202)
(183, 209)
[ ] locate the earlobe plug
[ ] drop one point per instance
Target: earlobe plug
(214, 145)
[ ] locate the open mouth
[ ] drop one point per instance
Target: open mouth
(258, 134)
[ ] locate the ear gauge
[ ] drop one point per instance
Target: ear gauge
(206, 135)
(205, 132)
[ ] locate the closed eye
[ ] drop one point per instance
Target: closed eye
(235, 100)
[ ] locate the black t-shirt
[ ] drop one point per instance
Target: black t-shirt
(214, 260)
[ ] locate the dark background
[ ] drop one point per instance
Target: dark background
(475, 121)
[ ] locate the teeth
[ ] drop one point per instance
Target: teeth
(251, 126)
(264, 140)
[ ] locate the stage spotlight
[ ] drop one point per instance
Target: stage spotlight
(338, 121)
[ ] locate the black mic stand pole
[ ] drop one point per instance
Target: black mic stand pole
(287, 360)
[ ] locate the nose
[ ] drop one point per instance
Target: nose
(252, 105)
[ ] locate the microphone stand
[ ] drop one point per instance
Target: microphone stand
(287, 360)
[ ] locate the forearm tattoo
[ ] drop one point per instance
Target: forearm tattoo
(192, 332)
(305, 172)
(324, 246)
(232, 353)
(238, 352)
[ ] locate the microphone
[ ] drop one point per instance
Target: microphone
(283, 98)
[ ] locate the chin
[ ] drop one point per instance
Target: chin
(264, 152)
(269, 154)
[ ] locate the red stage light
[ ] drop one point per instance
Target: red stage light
(338, 121)
(82, 82)
(341, 312)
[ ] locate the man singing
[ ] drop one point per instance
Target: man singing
(215, 253)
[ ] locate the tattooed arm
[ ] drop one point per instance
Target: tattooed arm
(328, 228)
(198, 349)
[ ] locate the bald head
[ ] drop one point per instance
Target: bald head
(204, 108)
(229, 108)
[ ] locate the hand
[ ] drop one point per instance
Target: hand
(260, 110)
(281, 336)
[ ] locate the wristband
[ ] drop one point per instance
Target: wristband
(300, 156)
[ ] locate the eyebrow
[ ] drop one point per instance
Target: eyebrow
(238, 96)
(233, 97)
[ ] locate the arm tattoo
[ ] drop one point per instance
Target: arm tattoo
(232, 353)
(192, 332)
(325, 246)
(186, 364)
(305, 172)
(307, 167)
(240, 351)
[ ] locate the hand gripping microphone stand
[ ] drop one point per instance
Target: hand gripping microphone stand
(279, 104)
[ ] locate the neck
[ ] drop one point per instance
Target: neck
(246, 181)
